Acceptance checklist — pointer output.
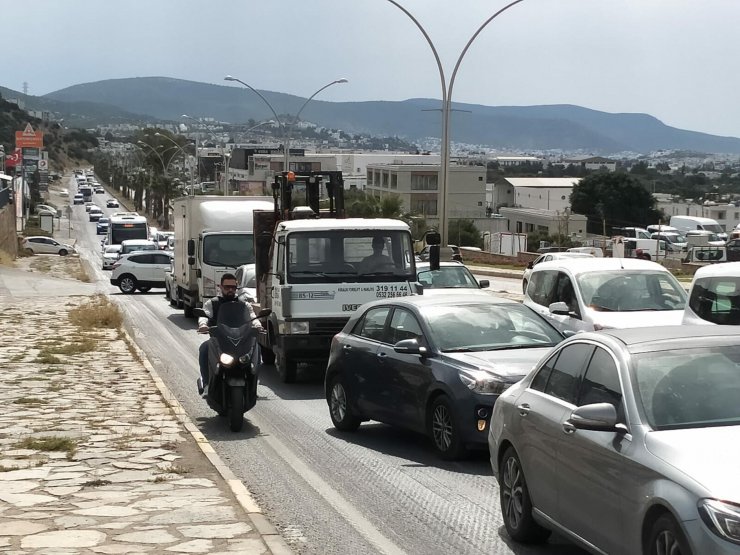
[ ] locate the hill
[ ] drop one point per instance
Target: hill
(563, 127)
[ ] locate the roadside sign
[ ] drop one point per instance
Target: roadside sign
(43, 164)
(28, 138)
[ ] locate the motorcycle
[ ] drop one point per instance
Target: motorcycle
(232, 357)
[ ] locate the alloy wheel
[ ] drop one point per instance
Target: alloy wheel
(512, 492)
(338, 403)
(667, 544)
(442, 427)
(127, 284)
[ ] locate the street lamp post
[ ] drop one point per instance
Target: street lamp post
(197, 151)
(192, 173)
(447, 108)
(286, 137)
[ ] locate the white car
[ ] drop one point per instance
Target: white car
(40, 208)
(546, 258)
(140, 270)
(246, 279)
(46, 245)
(714, 295)
(451, 275)
(591, 294)
(110, 256)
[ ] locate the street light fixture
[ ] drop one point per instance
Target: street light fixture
(192, 174)
(447, 108)
(286, 136)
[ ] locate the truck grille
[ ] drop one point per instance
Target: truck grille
(329, 326)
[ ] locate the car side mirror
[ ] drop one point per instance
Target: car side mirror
(484, 283)
(559, 308)
(598, 417)
(199, 312)
(410, 347)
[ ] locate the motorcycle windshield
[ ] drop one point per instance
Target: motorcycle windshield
(233, 325)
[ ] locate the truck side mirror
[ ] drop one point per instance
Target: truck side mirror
(434, 257)
(191, 249)
(191, 261)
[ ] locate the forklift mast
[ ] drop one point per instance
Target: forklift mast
(284, 187)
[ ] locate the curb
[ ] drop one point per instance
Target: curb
(272, 538)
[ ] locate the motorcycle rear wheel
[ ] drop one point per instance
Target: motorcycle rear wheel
(236, 408)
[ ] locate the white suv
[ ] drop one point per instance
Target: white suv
(587, 294)
(140, 270)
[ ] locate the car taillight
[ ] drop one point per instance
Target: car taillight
(115, 265)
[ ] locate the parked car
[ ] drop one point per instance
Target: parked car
(130, 245)
(423, 254)
(733, 250)
(591, 294)
(95, 213)
(111, 254)
(703, 238)
(546, 257)
(714, 295)
(625, 441)
(102, 226)
(140, 270)
(111, 203)
(46, 245)
(451, 275)
(78, 199)
(246, 279)
(433, 364)
(675, 242)
(39, 208)
(684, 224)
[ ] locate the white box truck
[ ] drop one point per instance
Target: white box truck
(213, 236)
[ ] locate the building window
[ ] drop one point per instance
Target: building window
(480, 178)
(369, 177)
(721, 215)
(423, 182)
(394, 181)
(385, 180)
(424, 207)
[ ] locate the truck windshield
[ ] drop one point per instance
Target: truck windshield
(231, 250)
(358, 256)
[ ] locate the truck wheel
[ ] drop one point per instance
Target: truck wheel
(268, 357)
(286, 368)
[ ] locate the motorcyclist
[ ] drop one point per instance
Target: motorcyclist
(228, 288)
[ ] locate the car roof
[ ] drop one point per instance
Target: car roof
(567, 254)
(137, 242)
(716, 270)
(420, 301)
(682, 334)
(585, 265)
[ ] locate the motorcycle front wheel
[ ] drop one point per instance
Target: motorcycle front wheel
(236, 408)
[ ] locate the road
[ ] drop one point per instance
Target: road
(380, 490)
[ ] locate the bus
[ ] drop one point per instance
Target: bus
(127, 225)
(86, 192)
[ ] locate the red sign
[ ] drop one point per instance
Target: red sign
(28, 138)
(14, 159)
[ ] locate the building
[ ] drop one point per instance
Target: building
(507, 161)
(593, 163)
(418, 187)
(546, 193)
(554, 222)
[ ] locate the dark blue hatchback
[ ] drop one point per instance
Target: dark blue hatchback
(434, 365)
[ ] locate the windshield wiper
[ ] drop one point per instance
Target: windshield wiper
(600, 308)
(219, 263)
(459, 350)
(307, 273)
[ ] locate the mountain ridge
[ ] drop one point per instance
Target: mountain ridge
(540, 127)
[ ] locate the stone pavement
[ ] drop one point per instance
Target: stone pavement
(95, 455)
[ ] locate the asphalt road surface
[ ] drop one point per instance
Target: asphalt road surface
(379, 490)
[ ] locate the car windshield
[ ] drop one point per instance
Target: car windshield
(447, 277)
(231, 250)
(689, 388)
(488, 327)
(631, 291)
(714, 228)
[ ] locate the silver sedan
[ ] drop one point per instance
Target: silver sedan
(626, 441)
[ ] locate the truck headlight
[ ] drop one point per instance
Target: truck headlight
(297, 327)
(722, 518)
(483, 381)
(226, 360)
(209, 287)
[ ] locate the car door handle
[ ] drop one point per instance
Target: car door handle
(382, 356)
(568, 428)
(523, 409)
(347, 347)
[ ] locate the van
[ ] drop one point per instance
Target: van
(685, 224)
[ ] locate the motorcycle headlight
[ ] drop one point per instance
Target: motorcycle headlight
(226, 360)
(297, 327)
(483, 381)
(721, 518)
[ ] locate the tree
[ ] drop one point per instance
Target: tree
(465, 233)
(616, 198)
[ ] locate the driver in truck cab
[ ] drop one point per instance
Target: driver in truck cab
(376, 261)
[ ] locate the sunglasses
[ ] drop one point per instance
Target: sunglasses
(229, 287)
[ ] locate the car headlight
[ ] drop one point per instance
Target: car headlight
(483, 381)
(298, 327)
(226, 360)
(722, 518)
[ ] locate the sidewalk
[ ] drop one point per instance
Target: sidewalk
(96, 456)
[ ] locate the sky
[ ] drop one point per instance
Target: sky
(676, 60)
